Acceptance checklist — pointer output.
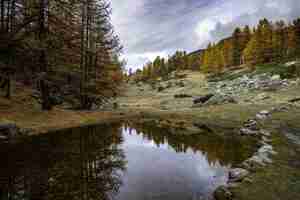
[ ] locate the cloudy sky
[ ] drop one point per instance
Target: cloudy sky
(148, 28)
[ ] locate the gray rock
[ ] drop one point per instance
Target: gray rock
(251, 124)
(266, 149)
(288, 64)
(275, 77)
(3, 137)
(248, 132)
(264, 112)
(254, 162)
(265, 133)
(223, 193)
(263, 115)
(237, 174)
(248, 180)
(8, 130)
(202, 99)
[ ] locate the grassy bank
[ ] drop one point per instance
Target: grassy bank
(26, 112)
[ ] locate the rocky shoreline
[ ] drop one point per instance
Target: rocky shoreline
(263, 156)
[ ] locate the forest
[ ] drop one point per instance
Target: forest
(266, 43)
(60, 48)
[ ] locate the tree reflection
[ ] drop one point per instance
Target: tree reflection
(229, 150)
(79, 164)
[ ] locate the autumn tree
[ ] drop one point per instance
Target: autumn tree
(297, 36)
(237, 46)
(279, 41)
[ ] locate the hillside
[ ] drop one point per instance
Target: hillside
(264, 104)
(265, 86)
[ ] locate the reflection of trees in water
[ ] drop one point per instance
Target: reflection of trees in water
(75, 164)
(218, 149)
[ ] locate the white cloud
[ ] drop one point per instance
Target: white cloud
(149, 28)
(136, 61)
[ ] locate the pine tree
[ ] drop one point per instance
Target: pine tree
(297, 36)
(279, 41)
(249, 53)
(266, 40)
(291, 42)
(227, 52)
(237, 46)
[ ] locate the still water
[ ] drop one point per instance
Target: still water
(119, 162)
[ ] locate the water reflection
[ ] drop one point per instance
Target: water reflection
(229, 150)
(75, 164)
(117, 162)
(168, 167)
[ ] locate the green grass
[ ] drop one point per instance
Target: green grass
(228, 75)
(278, 181)
(273, 69)
(281, 179)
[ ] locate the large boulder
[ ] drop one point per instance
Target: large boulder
(203, 99)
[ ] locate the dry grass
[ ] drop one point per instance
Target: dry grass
(24, 110)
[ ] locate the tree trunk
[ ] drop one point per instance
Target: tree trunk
(2, 15)
(46, 104)
(82, 52)
(8, 87)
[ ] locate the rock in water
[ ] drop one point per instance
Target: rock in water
(223, 193)
(248, 132)
(251, 124)
(237, 174)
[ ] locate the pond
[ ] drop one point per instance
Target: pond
(118, 161)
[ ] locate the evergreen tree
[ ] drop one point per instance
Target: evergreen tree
(266, 40)
(297, 36)
(279, 41)
(291, 42)
(237, 46)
